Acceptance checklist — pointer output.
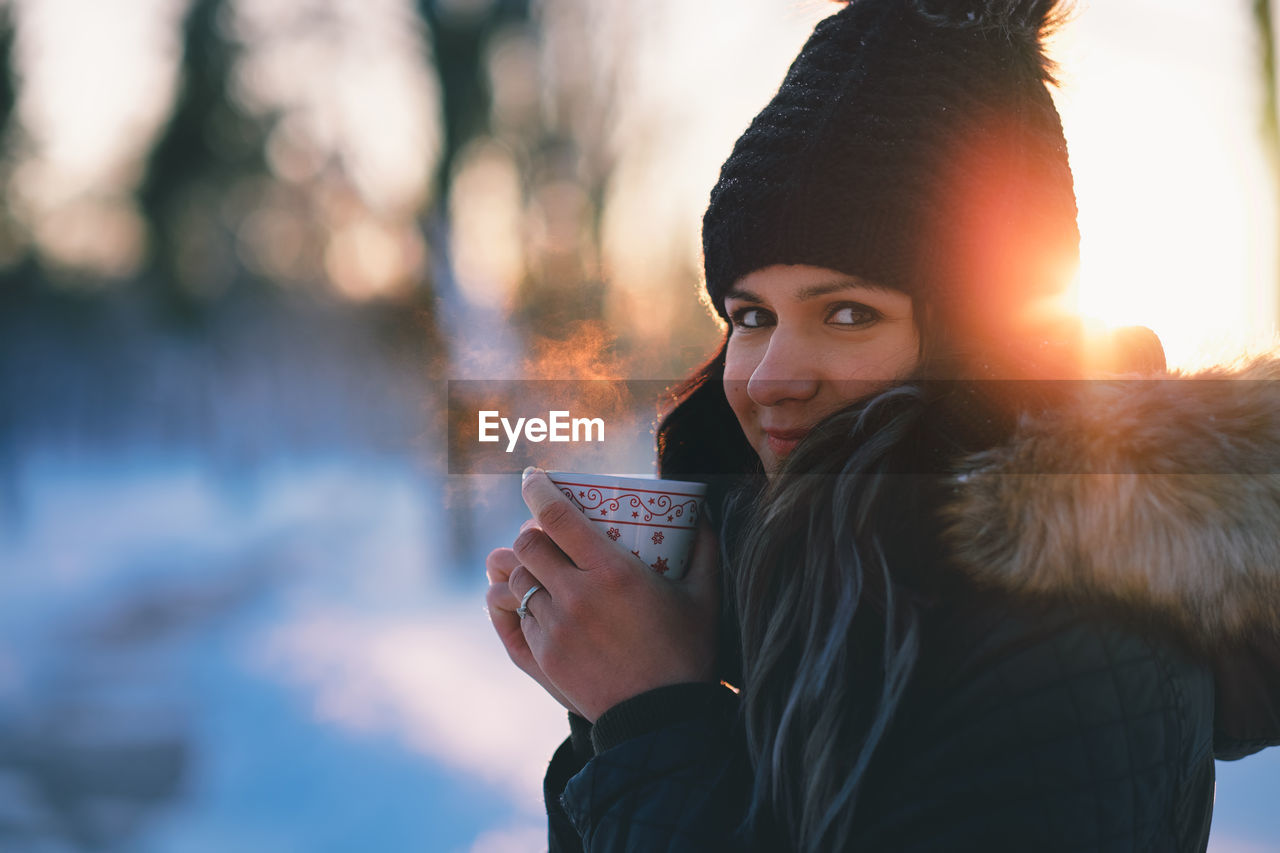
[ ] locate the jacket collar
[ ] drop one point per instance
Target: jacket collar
(1162, 492)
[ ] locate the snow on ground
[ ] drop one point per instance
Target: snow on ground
(289, 660)
(284, 662)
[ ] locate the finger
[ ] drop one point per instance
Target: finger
(503, 607)
(507, 625)
(580, 539)
(502, 612)
(534, 549)
(538, 607)
(706, 549)
(704, 561)
(499, 596)
(499, 563)
(520, 582)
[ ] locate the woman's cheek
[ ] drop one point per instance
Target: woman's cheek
(737, 373)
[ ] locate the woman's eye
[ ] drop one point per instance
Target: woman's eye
(749, 318)
(852, 315)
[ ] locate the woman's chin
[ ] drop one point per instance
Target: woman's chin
(772, 463)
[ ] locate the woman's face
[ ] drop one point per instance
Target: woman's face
(804, 342)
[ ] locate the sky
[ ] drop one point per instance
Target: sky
(1159, 102)
(1160, 105)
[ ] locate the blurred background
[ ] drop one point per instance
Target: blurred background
(245, 244)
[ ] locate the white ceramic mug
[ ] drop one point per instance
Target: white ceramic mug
(656, 520)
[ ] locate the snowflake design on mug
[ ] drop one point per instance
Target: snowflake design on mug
(613, 533)
(679, 509)
(660, 566)
(657, 537)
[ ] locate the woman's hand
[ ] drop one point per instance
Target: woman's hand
(502, 612)
(604, 627)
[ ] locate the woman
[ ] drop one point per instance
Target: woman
(962, 609)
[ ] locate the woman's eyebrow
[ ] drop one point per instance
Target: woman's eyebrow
(815, 290)
(811, 291)
(743, 295)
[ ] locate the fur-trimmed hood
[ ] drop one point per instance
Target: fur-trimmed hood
(1162, 491)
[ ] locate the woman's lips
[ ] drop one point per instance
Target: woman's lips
(783, 441)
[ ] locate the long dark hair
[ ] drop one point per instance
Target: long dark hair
(829, 632)
(826, 636)
(824, 593)
(823, 585)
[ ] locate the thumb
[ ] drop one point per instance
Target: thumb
(703, 574)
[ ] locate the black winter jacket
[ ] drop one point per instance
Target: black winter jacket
(1108, 629)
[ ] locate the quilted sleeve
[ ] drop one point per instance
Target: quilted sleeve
(1057, 736)
(1041, 730)
(675, 784)
(569, 759)
(1247, 679)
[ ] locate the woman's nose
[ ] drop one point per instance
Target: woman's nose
(785, 373)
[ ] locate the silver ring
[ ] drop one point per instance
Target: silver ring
(523, 610)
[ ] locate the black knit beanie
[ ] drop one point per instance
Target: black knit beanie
(913, 143)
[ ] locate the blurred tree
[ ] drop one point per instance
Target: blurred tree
(8, 84)
(12, 242)
(11, 277)
(209, 148)
(461, 31)
(503, 81)
(1265, 25)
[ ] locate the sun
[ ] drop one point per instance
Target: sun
(1176, 197)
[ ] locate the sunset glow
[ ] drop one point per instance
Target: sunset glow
(1161, 115)
(1176, 197)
